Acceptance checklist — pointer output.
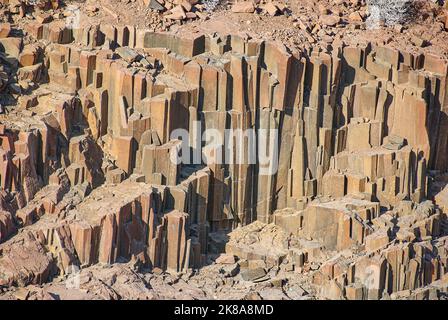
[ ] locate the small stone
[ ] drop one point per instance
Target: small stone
(127, 54)
(418, 42)
(314, 267)
(157, 271)
(177, 13)
(278, 282)
(115, 176)
(186, 5)
(191, 15)
(14, 88)
(262, 279)
(252, 274)
(230, 270)
(271, 9)
(329, 20)
(327, 39)
(394, 142)
(273, 294)
(253, 296)
(243, 7)
(323, 9)
(254, 264)
(156, 5)
(225, 259)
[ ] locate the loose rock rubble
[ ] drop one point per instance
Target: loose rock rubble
(93, 207)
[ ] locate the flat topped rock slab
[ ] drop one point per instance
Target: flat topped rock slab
(24, 261)
(252, 274)
(110, 199)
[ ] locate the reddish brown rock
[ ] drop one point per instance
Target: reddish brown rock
(5, 30)
(271, 8)
(329, 20)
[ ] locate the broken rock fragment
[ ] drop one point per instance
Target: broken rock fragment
(329, 20)
(24, 261)
(243, 7)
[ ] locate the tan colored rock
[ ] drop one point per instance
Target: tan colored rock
(225, 259)
(24, 261)
(5, 30)
(7, 227)
(43, 18)
(11, 46)
(243, 7)
(356, 133)
(176, 13)
(28, 57)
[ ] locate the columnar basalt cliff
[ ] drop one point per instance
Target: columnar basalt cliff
(356, 203)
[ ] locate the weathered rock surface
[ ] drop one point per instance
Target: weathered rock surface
(355, 207)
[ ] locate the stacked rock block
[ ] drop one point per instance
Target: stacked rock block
(397, 271)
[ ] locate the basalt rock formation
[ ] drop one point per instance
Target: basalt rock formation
(357, 201)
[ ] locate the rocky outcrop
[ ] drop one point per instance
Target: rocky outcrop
(348, 142)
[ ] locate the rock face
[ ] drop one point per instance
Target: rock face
(243, 7)
(112, 224)
(355, 139)
(24, 261)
